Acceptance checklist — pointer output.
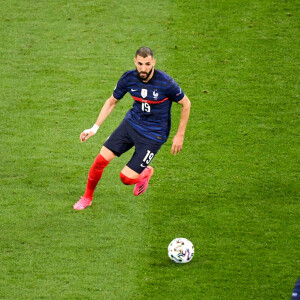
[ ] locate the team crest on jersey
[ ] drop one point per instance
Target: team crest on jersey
(144, 93)
(155, 94)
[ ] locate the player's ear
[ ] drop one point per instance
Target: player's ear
(154, 62)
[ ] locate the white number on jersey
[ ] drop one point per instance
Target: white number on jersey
(146, 107)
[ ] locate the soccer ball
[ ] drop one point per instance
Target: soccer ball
(181, 250)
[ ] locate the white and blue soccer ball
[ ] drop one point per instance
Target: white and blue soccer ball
(181, 250)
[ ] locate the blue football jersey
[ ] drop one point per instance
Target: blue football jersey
(151, 111)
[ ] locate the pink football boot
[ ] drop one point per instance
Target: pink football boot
(82, 203)
(141, 186)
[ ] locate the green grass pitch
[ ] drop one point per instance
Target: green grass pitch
(233, 190)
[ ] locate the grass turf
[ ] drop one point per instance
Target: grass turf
(233, 191)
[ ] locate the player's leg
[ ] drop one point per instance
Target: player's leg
(129, 176)
(102, 160)
(141, 181)
(137, 170)
(115, 145)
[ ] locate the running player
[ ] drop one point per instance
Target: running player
(146, 126)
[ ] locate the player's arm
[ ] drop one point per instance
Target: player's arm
(106, 109)
(179, 137)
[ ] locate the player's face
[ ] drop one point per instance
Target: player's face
(145, 67)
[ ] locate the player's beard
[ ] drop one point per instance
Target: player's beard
(147, 75)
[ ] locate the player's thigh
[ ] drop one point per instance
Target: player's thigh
(119, 141)
(143, 155)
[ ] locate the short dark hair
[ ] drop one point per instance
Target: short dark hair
(144, 52)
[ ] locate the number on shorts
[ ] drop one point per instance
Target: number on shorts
(149, 156)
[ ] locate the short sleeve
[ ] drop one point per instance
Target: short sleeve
(121, 88)
(175, 93)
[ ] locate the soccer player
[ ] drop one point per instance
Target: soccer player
(146, 126)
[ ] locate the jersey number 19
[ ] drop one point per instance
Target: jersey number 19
(145, 107)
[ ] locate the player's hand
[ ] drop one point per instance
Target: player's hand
(177, 144)
(86, 134)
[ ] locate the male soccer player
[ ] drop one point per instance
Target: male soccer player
(146, 126)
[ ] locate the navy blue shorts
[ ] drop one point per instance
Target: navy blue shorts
(124, 138)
